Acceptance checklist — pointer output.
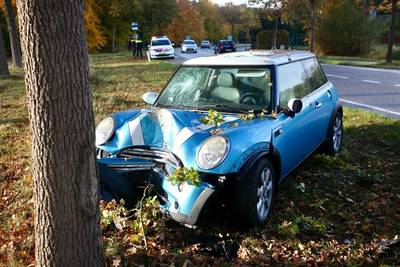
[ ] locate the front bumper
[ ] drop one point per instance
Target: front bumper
(162, 54)
(182, 202)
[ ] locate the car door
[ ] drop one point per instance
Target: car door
(294, 137)
(321, 98)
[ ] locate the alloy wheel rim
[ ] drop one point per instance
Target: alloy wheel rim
(264, 194)
(337, 134)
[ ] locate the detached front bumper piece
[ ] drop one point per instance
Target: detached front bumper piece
(183, 202)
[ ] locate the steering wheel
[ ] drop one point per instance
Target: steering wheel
(249, 99)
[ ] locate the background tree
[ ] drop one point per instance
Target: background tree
(347, 31)
(156, 15)
(232, 15)
(95, 35)
(214, 24)
(12, 30)
(65, 184)
(392, 33)
(3, 57)
(187, 22)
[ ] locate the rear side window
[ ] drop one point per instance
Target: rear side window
(316, 75)
(292, 83)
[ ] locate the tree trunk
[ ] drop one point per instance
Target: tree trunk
(65, 183)
(14, 38)
(4, 73)
(392, 33)
(113, 36)
(313, 24)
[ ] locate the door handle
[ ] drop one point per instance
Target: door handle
(318, 105)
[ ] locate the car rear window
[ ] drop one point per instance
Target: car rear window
(228, 42)
(189, 42)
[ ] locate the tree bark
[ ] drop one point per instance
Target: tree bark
(14, 38)
(313, 24)
(392, 33)
(65, 183)
(4, 73)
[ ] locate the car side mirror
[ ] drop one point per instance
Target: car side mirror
(148, 46)
(295, 105)
(173, 44)
(150, 97)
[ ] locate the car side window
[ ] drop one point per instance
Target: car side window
(314, 71)
(292, 83)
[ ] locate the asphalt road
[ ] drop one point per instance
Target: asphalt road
(375, 90)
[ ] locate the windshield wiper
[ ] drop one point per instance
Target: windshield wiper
(224, 107)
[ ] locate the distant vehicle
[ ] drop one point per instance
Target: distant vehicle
(161, 47)
(294, 111)
(224, 46)
(189, 46)
(205, 44)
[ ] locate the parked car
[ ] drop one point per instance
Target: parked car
(224, 46)
(273, 109)
(189, 46)
(161, 47)
(205, 44)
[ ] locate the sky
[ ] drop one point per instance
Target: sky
(223, 2)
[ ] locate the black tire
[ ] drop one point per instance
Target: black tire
(333, 144)
(247, 192)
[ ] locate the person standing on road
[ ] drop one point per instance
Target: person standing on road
(133, 44)
(138, 47)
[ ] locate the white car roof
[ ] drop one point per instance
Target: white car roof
(253, 57)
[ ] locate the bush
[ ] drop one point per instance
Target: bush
(264, 39)
(346, 31)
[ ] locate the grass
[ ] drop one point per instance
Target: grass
(376, 58)
(331, 211)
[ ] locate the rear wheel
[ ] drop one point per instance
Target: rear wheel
(333, 144)
(254, 194)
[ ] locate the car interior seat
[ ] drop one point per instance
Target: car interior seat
(225, 89)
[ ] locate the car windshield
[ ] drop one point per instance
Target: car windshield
(204, 42)
(189, 42)
(222, 88)
(160, 42)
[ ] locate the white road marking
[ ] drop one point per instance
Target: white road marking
(370, 107)
(369, 81)
(397, 85)
(337, 76)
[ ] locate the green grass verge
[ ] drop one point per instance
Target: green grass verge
(375, 58)
(331, 210)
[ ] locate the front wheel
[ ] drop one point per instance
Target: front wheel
(254, 194)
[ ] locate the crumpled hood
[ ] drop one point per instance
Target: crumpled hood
(169, 128)
(181, 132)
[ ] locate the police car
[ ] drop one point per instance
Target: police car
(161, 47)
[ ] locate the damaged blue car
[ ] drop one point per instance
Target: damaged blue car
(241, 121)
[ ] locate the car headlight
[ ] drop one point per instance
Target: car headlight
(104, 130)
(212, 152)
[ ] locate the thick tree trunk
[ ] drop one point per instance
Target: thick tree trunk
(313, 24)
(392, 33)
(67, 230)
(14, 38)
(4, 73)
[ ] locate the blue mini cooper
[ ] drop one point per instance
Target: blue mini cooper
(241, 121)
